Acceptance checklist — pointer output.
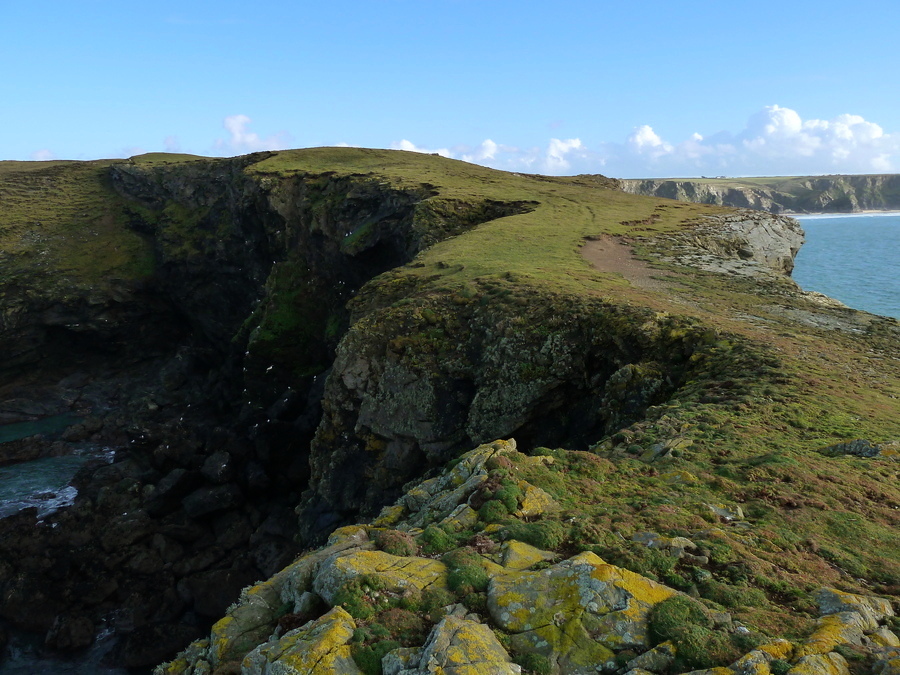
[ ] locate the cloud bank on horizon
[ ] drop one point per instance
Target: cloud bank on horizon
(775, 141)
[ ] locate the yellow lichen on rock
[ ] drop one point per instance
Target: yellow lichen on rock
(779, 649)
(821, 664)
(461, 518)
(458, 646)
(393, 573)
(534, 501)
(872, 609)
(318, 648)
(390, 515)
(355, 533)
(520, 556)
(577, 611)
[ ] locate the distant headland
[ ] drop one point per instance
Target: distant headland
(780, 194)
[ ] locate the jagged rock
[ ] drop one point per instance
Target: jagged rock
(318, 648)
(250, 621)
(402, 660)
(846, 619)
(757, 661)
(437, 498)
(833, 630)
(727, 512)
(461, 518)
(187, 661)
(872, 609)
(863, 448)
(810, 194)
(884, 637)
(455, 646)
(888, 662)
(676, 546)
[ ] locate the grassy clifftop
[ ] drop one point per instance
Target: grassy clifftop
(62, 218)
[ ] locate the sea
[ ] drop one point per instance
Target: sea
(854, 258)
(44, 484)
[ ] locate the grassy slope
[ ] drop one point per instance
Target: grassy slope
(62, 218)
(746, 437)
(750, 437)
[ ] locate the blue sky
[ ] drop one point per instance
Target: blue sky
(626, 89)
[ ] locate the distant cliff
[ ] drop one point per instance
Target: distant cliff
(799, 194)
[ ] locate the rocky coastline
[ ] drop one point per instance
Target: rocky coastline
(302, 354)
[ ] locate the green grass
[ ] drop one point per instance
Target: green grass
(63, 219)
(754, 391)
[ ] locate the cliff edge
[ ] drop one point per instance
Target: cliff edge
(278, 345)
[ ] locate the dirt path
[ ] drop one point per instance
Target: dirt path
(611, 254)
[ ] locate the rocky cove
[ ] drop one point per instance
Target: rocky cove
(294, 340)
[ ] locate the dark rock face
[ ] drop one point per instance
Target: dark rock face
(413, 385)
(207, 379)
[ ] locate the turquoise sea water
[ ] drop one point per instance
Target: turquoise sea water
(48, 426)
(853, 258)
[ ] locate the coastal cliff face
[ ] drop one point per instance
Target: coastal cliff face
(814, 194)
(295, 339)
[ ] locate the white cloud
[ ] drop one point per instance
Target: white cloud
(171, 144)
(645, 141)
(241, 140)
(556, 160)
(43, 155)
(409, 146)
(487, 150)
(775, 141)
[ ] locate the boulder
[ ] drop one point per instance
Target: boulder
(831, 663)
(456, 646)
(577, 611)
(318, 648)
(212, 499)
(69, 633)
(393, 573)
